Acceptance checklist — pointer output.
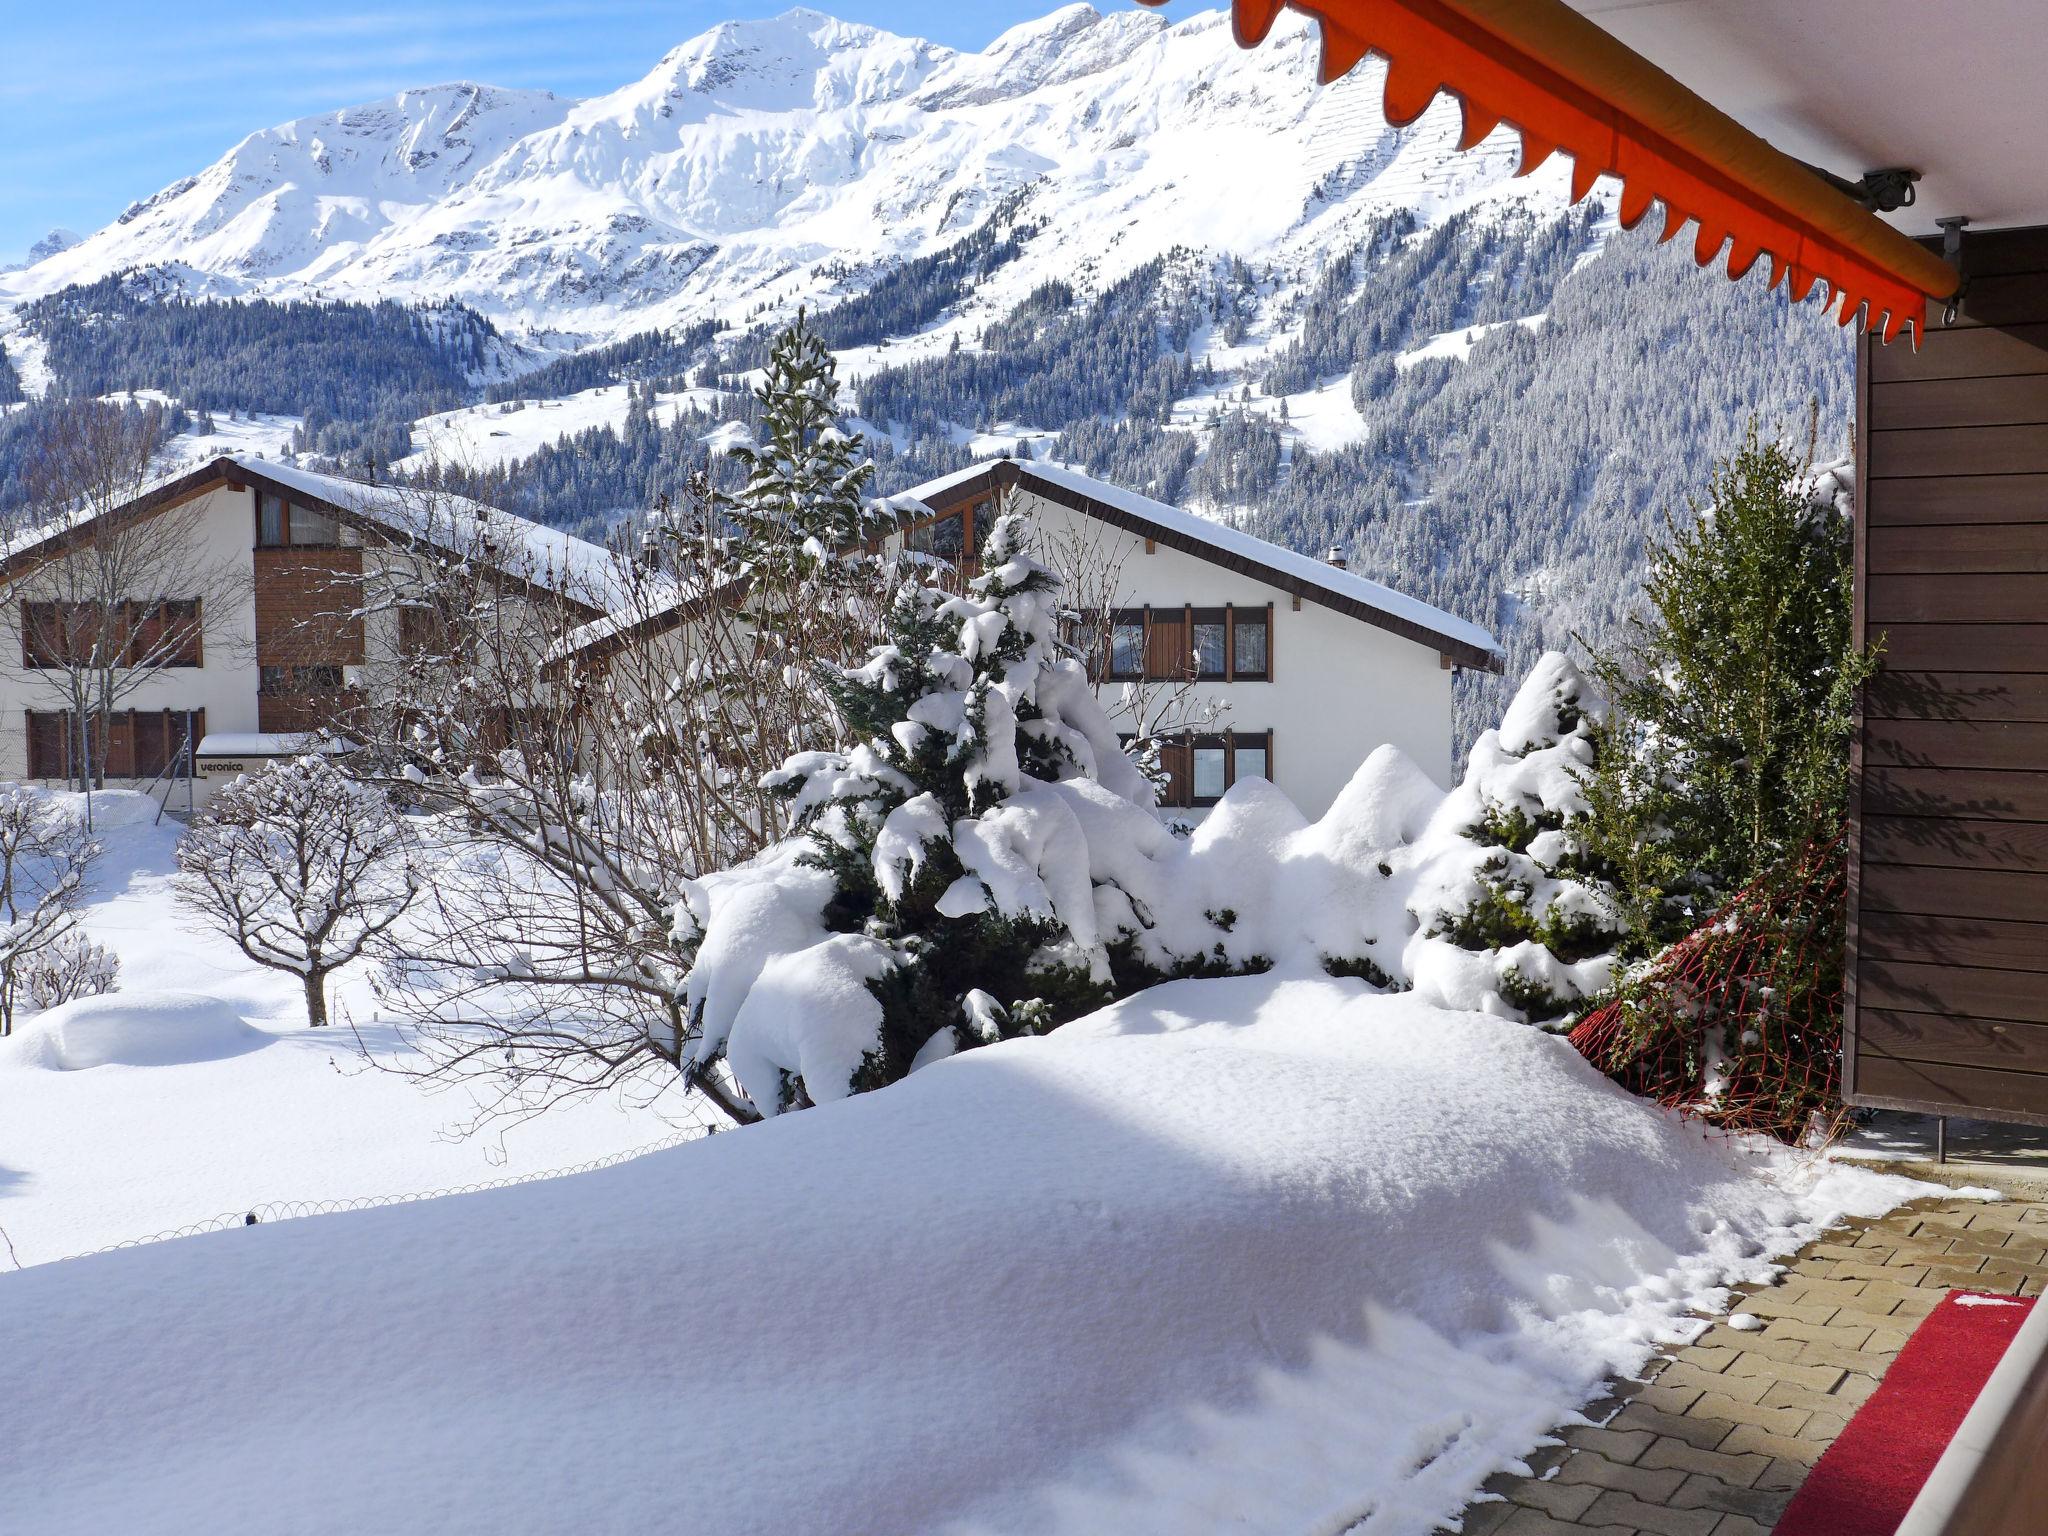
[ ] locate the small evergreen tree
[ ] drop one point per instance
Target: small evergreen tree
(1734, 694)
(1522, 885)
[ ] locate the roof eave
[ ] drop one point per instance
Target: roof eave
(1006, 473)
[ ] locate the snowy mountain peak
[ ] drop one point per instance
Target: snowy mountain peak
(51, 244)
(800, 58)
(793, 160)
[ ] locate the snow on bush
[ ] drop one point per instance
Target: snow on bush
(71, 967)
(987, 862)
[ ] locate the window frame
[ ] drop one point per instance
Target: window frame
(285, 539)
(1240, 620)
(1229, 743)
(1126, 618)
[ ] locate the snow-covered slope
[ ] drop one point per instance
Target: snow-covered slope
(196, 1090)
(1264, 1254)
(795, 159)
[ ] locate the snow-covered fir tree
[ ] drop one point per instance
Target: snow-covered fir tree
(1526, 910)
(941, 889)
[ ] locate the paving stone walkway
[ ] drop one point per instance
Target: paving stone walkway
(1719, 1434)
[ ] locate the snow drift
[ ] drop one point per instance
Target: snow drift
(130, 1029)
(1254, 1254)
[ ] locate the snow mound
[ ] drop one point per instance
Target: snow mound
(1263, 1254)
(130, 1029)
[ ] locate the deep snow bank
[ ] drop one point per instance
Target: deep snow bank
(1257, 1254)
(131, 1029)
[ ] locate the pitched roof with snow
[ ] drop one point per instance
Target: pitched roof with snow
(574, 569)
(1299, 575)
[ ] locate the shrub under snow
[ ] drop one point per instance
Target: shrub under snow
(987, 862)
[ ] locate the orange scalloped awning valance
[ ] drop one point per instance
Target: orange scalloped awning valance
(1541, 67)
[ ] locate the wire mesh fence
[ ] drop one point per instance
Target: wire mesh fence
(1740, 1022)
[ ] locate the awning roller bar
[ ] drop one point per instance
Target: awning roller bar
(1564, 83)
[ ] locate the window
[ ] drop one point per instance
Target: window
(421, 632)
(279, 523)
(316, 528)
(165, 633)
(944, 538)
(1211, 631)
(1250, 659)
(270, 520)
(1127, 643)
(1169, 644)
(1201, 769)
(58, 634)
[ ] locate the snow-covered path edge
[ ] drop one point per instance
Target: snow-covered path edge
(1262, 1254)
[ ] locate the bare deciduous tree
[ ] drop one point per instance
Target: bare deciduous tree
(303, 867)
(44, 855)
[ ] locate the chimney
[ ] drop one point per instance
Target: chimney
(1336, 557)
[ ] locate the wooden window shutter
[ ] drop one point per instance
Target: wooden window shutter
(1177, 757)
(150, 742)
(1166, 645)
(45, 731)
(121, 745)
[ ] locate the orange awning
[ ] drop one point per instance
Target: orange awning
(1566, 84)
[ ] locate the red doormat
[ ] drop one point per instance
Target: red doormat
(1866, 1481)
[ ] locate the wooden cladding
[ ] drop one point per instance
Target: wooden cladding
(139, 743)
(1948, 965)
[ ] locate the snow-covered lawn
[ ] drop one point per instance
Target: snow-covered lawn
(243, 1105)
(1264, 1254)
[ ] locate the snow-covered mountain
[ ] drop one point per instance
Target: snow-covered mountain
(767, 163)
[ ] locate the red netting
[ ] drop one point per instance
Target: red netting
(1740, 1022)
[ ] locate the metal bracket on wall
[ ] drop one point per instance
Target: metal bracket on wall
(1880, 191)
(1952, 253)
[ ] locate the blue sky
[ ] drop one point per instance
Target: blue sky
(104, 101)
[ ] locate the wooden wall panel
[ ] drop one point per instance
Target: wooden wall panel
(1994, 893)
(1978, 794)
(2002, 1044)
(1947, 995)
(1941, 1088)
(1978, 597)
(1943, 843)
(1964, 500)
(1962, 647)
(1979, 353)
(1999, 945)
(1957, 696)
(1973, 450)
(1971, 547)
(2013, 745)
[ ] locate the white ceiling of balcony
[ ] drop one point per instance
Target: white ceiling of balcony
(1956, 89)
